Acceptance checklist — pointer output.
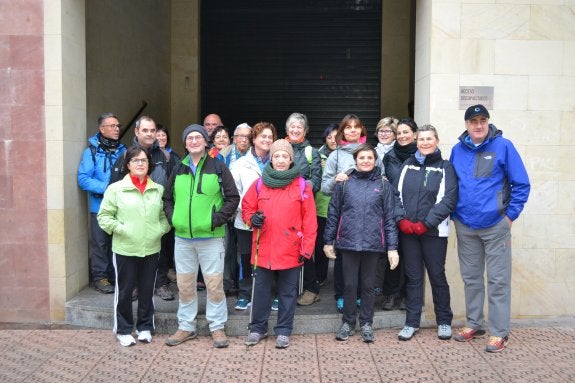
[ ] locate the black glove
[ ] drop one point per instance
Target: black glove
(258, 219)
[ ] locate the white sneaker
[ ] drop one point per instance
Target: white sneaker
(126, 340)
(144, 336)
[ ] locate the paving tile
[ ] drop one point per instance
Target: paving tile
(528, 373)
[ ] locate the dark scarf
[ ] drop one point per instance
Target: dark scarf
(108, 144)
(278, 179)
(404, 152)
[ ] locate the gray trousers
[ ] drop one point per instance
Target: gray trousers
(478, 249)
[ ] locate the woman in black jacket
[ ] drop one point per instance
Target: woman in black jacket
(428, 191)
(360, 224)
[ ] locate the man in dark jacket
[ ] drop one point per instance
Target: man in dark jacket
(145, 137)
(93, 176)
(493, 188)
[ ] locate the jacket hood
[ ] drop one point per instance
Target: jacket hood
(371, 175)
(492, 133)
(349, 148)
(302, 144)
(93, 141)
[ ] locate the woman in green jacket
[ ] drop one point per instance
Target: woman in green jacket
(132, 212)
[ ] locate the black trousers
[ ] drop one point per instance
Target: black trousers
(287, 297)
(101, 265)
(231, 258)
(364, 264)
(428, 251)
(166, 259)
(133, 272)
(245, 267)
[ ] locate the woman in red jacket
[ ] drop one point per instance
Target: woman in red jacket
(281, 209)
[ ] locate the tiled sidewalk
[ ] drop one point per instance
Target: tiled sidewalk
(534, 354)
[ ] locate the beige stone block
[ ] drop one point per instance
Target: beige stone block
(444, 56)
(57, 260)
(549, 231)
(476, 79)
(53, 122)
(552, 22)
(422, 99)
(476, 56)
(528, 57)
(551, 93)
(53, 88)
(55, 192)
(52, 53)
(568, 128)
(550, 163)
(546, 298)
(56, 227)
(52, 17)
(569, 58)
(57, 298)
(565, 265)
(522, 127)
(543, 198)
(54, 158)
(566, 197)
(444, 91)
(445, 20)
(494, 21)
(510, 93)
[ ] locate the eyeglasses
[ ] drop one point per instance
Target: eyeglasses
(113, 126)
(383, 132)
(243, 136)
(136, 161)
(194, 138)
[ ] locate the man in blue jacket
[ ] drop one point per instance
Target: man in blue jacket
(493, 188)
(103, 150)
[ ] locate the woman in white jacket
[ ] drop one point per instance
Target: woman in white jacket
(246, 170)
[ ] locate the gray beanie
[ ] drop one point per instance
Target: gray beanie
(195, 128)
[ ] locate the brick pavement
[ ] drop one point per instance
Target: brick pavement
(534, 354)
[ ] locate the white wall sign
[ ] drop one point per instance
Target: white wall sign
(472, 95)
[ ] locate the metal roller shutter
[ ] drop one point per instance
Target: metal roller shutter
(262, 60)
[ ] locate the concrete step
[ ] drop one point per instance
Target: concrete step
(93, 309)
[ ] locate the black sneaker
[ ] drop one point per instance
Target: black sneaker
(344, 332)
(165, 293)
(104, 286)
(367, 333)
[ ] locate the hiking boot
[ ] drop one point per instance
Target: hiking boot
(144, 336)
(339, 305)
(390, 302)
(282, 341)
(377, 291)
(307, 298)
(242, 304)
(358, 302)
(104, 286)
(254, 338)
(200, 286)
(180, 336)
(275, 305)
(444, 332)
(172, 275)
(407, 333)
(219, 338)
(496, 343)
(367, 333)
(165, 293)
(126, 340)
(344, 332)
(466, 334)
(135, 294)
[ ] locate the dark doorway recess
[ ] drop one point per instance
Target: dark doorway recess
(262, 60)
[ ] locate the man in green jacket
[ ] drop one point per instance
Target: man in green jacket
(199, 199)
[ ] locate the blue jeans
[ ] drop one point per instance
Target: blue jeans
(208, 253)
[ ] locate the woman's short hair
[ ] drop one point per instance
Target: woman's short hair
(364, 148)
(391, 122)
(219, 128)
(132, 152)
(259, 128)
(162, 128)
(297, 117)
(344, 122)
(428, 128)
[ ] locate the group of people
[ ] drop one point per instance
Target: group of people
(258, 214)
